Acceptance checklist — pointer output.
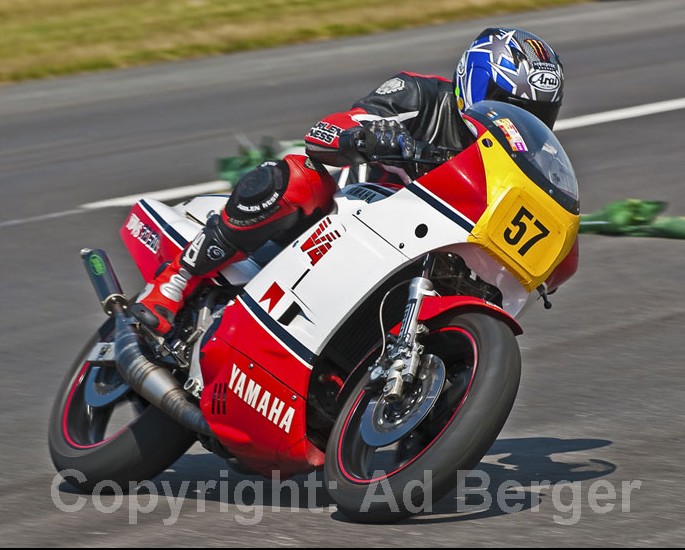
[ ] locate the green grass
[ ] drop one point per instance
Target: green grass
(44, 38)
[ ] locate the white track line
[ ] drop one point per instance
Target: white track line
(164, 195)
(42, 217)
(221, 186)
(620, 114)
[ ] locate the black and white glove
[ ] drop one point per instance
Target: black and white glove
(388, 137)
(376, 138)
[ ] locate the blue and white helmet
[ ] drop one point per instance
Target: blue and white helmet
(513, 66)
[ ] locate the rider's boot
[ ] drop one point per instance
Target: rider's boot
(202, 258)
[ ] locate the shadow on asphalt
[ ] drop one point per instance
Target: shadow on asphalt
(533, 465)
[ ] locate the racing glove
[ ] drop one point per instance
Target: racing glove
(380, 137)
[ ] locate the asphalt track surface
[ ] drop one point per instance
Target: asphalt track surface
(600, 409)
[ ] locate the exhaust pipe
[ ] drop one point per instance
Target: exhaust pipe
(152, 382)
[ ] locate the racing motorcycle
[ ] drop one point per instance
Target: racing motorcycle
(380, 345)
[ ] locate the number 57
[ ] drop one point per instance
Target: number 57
(513, 235)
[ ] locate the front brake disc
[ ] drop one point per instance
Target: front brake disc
(385, 423)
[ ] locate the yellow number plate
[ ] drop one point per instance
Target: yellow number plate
(527, 233)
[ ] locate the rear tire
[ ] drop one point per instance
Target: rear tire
(378, 485)
(83, 440)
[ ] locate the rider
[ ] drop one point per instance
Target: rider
(279, 199)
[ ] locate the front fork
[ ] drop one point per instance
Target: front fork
(400, 364)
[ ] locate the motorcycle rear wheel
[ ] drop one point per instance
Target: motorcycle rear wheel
(100, 430)
(387, 484)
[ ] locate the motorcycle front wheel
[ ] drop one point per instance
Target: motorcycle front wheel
(100, 430)
(375, 476)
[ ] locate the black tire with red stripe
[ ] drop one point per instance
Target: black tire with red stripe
(79, 438)
(378, 485)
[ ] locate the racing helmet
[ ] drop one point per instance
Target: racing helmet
(513, 66)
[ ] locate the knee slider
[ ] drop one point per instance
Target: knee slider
(256, 195)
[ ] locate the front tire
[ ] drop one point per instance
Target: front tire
(122, 438)
(387, 484)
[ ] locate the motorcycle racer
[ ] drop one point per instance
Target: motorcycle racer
(279, 199)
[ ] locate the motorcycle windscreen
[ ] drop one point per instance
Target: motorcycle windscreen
(524, 227)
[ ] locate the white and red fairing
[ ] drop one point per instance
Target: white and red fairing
(272, 334)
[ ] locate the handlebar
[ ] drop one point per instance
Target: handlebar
(419, 152)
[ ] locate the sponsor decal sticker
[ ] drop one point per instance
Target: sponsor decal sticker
(512, 134)
(143, 233)
(363, 193)
(325, 132)
(97, 265)
(544, 80)
(539, 48)
(541, 65)
(265, 205)
(261, 400)
(319, 243)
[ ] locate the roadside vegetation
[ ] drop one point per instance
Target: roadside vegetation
(44, 38)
